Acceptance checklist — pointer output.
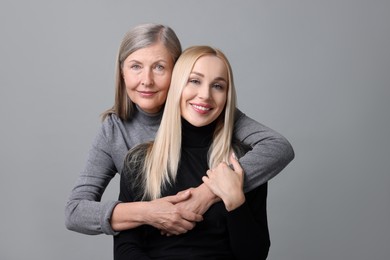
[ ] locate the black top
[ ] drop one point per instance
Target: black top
(239, 234)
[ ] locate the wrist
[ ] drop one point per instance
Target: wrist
(234, 202)
(127, 215)
(209, 196)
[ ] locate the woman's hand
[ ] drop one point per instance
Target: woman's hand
(227, 183)
(170, 218)
(162, 213)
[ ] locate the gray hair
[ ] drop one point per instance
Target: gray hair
(139, 37)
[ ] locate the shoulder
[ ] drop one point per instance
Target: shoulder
(112, 124)
(111, 120)
(241, 120)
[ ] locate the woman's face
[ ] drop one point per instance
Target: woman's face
(147, 74)
(204, 97)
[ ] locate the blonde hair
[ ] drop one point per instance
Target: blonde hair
(163, 156)
(139, 37)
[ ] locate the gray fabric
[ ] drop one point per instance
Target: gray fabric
(271, 152)
(85, 213)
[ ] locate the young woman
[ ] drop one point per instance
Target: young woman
(143, 73)
(195, 135)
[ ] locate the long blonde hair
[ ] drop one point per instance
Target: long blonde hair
(163, 155)
(139, 37)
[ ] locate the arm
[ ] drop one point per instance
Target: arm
(247, 214)
(160, 213)
(270, 154)
(226, 182)
(84, 212)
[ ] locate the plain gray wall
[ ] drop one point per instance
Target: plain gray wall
(316, 71)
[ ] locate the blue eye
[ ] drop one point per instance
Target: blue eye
(159, 67)
(218, 86)
(135, 67)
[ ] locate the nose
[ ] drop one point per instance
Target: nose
(147, 77)
(204, 91)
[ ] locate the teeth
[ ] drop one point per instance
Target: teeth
(201, 108)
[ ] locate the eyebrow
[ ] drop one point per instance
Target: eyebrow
(157, 61)
(201, 75)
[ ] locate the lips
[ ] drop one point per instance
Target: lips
(147, 93)
(203, 109)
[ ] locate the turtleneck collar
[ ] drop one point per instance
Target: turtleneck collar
(147, 118)
(197, 136)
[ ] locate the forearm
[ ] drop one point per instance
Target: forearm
(267, 159)
(202, 198)
(89, 217)
(84, 211)
(208, 198)
(270, 151)
(130, 215)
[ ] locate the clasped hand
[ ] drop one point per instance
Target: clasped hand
(221, 183)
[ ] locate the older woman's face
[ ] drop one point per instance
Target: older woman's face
(147, 74)
(204, 97)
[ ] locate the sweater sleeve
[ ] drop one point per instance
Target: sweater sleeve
(248, 226)
(270, 154)
(84, 212)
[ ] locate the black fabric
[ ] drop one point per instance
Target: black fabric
(240, 234)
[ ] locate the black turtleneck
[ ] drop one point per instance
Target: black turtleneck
(193, 136)
(240, 234)
(193, 165)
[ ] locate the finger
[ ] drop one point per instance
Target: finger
(181, 196)
(184, 191)
(191, 217)
(181, 227)
(235, 163)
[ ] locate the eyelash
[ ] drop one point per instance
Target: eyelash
(159, 67)
(197, 82)
(218, 86)
(135, 66)
(194, 81)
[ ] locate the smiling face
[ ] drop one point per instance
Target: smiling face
(204, 97)
(147, 74)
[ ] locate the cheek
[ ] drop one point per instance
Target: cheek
(221, 101)
(166, 83)
(183, 100)
(127, 80)
(130, 79)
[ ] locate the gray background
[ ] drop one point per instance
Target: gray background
(316, 71)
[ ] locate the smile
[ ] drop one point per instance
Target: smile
(201, 107)
(146, 93)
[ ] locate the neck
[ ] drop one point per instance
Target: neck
(197, 136)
